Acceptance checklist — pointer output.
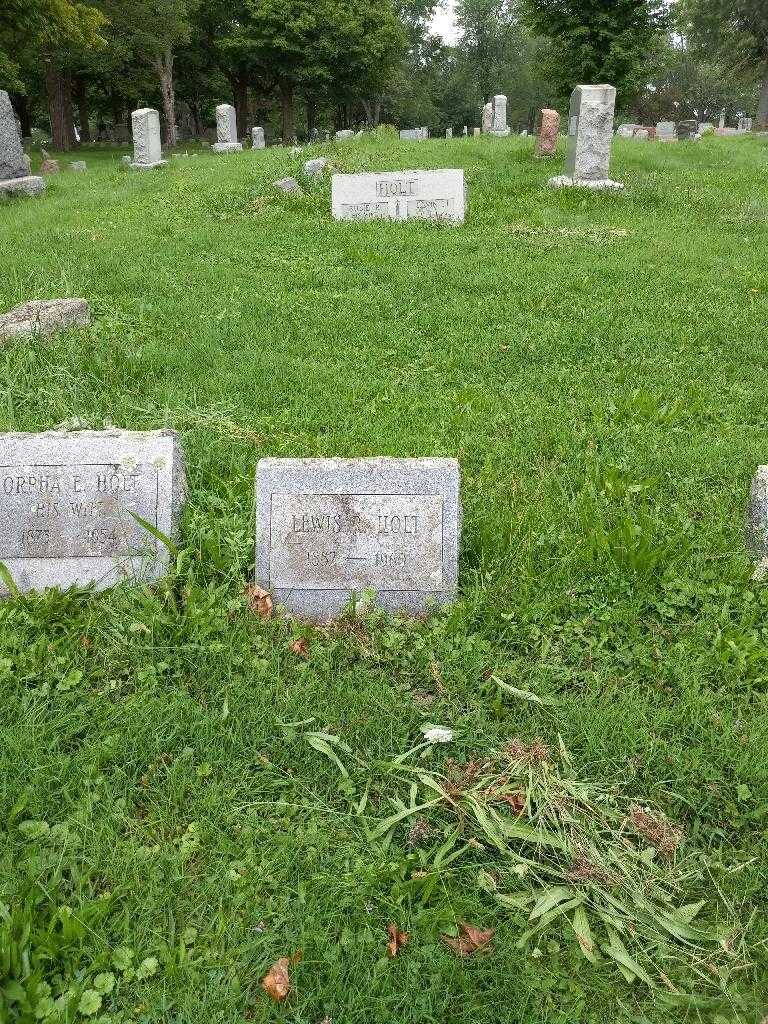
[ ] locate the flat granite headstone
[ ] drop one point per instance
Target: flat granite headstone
(147, 150)
(399, 195)
(44, 316)
(328, 529)
(15, 178)
(68, 501)
(226, 130)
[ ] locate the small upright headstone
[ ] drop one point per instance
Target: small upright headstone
(465, 132)
(399, 195)
(226, 130)
(147, 151)
(449, 133)
(486, 119)
(665, 131)
(315, 168)
(345, 133)
(475, 132)
(289, 185)
(590, 134)
(721, 122)
(257, 138)
(327, 530)
(499, 124)
(626, 131)
(687, 129)
(15, 178)
(549, 132)
(70, 505)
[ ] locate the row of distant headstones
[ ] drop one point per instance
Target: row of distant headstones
(97, 507)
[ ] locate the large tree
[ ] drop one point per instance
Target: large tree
(736, 31)
(598, 40)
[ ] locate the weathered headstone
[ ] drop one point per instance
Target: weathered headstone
(330, 529)
(626, 131)
(687, 129)
(49, 167)
(706, 128)
(411, 134)
(69, 504)
(475, 132)
(44, 316)
(314, 168)
(226, 130)
(15, 178)
(499, 124)
(465, 132)
(147, 151)
(79, 166)
(289, 185)
(665, 131)
(449, 133)
(549, 132)
(757, 521)
(486, 119)
(257, 138)
(345, 133)
(590, 134)
(399, 195)
(721, 122)
(424, 132)
(641, 135)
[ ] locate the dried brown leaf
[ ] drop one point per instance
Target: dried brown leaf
(259, 601)
(276, 982)
(300, 647)
(397, 939)
(472, 939)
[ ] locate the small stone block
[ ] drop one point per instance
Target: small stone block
(315, 168)
(328, 529)
(44, 316)
(68, 502)
(602, 184)
(30, 185)
(757, 515)
(227, 147)
(289, 185)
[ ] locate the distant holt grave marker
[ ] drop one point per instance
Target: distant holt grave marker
(328, 529)
(68, 503)
(399, 195)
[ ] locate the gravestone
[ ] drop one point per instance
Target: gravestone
(465, 132)
(665, 131)
(549, 131)
(68, 502)
(328, 529)
(475, 132)
(486, 118)
(411, 134)
(257, 138)
(687, 130)
(226, 130)
(345, 133)
(757, 521)
(79, 166)
(314, 168)
(626, 131)
(641, 135)
(44, 316)
(399, 195)
(499, 124)
(147, 151)
(721, 122)
(289, 185)
(449, 133)
(15, 178)
(590, 134)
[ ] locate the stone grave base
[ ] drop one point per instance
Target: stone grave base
(563, 181)
(149, 167)
(30, 185)
(501, 134)
(227, 147)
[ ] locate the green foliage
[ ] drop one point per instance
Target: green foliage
(602, 41)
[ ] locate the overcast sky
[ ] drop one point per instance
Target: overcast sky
(443, 23)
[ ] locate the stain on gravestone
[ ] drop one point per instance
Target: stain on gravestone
(399, 195)
(328, 529)
(68, 502)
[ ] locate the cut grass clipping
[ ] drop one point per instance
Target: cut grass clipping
(563, 854)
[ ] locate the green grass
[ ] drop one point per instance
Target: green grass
(597, 363)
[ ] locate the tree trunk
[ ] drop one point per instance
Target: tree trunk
(81, 98)
(240, 92)
(289, 127)
(762, 104)
(164, 67)
(21, 106)
(58, 88)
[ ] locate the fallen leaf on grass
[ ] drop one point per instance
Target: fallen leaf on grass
(259, 601)
(276, 982)
(300, 647)
(472, 940)
(397, 939)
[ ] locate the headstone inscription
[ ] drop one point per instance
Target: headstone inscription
(147, 151)
(226, 130)
(257, 138)
(590, 134)
(70, 504)
(328, 529)
(499, 124)
(549, 132)
(15, 178)
(399, 195)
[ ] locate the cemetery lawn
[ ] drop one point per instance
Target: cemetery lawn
(597, 363)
